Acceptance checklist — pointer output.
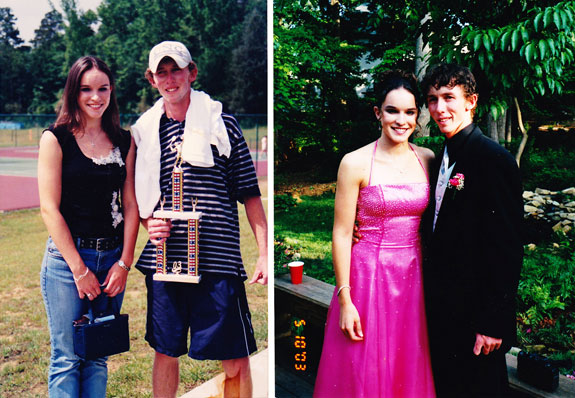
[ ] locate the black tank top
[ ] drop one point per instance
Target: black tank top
(91, 201)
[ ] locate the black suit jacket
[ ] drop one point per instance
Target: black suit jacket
(474, 255)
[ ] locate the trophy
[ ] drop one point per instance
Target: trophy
(173, 272)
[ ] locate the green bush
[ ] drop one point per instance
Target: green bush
(548, 168)
(284, 202)
(285, 251)
(546, 300)
(433, 143)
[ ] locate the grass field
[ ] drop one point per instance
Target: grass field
(309, 224)
(17, 138)
(24, 336)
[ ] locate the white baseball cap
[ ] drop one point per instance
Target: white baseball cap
(173, 49)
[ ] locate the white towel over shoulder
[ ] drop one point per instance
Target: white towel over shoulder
(204, 127)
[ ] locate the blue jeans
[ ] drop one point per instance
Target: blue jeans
(69, 375)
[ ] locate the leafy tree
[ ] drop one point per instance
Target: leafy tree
(79, 36)
(248, 68)
(9, 33)
(316, 71)
(48, 48)
(392, 32)
(127, 29)
(536, 38)
(14, 79)
(211, 31)
(125, 36)
(212, 28)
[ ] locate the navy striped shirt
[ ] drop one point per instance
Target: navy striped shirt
(217, 189)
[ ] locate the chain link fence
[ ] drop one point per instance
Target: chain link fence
(24, 130)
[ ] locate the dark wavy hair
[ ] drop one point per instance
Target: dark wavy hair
(449, 75)
(70, 114)
(393, 79)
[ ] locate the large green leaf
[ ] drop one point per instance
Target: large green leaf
(486, 42)
(467, 34)
(564, 18)
(490, 58)
(505, 40)
(540, 87)
(558, 68)
(542, 48)
(530, 52)
(515, 39)
(493, 35)
(551, 45)
(559, 87)
(481, 59)
(477, 42)
(551, 84)
(537, 21)
(548, 17)
(568, 54)
(524, 34)
(547, 66)
(557, 19)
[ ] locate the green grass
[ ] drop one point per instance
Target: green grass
(309, 224)
(18, 138)
(24, 336)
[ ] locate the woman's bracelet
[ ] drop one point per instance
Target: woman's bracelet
(81, 276)
(341, 288)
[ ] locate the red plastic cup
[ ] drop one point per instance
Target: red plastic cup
(296, 271)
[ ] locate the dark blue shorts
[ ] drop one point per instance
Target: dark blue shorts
(214, 311)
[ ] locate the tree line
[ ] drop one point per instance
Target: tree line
(328, 55)
(227, 40)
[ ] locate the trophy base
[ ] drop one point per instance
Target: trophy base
(183, 278)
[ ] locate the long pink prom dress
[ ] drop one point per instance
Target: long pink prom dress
(387, 290)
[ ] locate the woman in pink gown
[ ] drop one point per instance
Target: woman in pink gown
(376, 335)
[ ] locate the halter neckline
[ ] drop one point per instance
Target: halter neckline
(373, 159)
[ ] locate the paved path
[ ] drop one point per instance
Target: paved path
(18, 178)
(260, 375)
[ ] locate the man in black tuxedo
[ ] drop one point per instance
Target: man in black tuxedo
(474, 248)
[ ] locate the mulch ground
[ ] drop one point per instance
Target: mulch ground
(304, 188)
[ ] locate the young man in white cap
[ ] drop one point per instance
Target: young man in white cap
(217, 172)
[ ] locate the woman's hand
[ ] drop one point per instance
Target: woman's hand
(88, 285)
(115, 280)
(158, 230)
(349, 322)
(356, 235)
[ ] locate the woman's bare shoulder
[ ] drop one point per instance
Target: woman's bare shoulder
(356, 164)
(359, 156)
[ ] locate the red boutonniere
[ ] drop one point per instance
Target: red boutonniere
(456, 182)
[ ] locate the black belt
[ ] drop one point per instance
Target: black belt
(99, 244)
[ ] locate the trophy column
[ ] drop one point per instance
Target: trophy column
(173, 272)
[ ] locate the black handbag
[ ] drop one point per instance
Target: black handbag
(105, 335)
(537, 371)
